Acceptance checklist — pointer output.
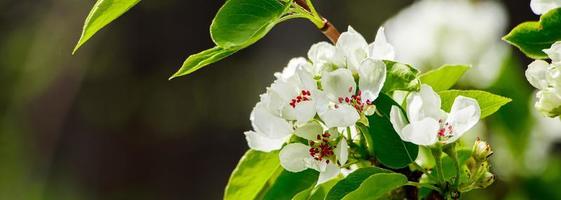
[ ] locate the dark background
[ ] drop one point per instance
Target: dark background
(107, 124)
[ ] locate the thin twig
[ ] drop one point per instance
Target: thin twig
(328, 29)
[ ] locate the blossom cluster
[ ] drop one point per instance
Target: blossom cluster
(310, 111)
(546, 77)
(319, 98)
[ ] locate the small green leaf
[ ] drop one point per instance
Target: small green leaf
(488, 102)
(103, 13)
(240, 22)
(377, 186)
(533, 37)
(400, 77)
(288, 184)
(444, 77)
(390, 150)
(251, 175)
(204, 58)
(352, 182)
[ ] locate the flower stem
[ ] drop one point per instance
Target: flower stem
(451, 151)
(437, 154)
(326, 27)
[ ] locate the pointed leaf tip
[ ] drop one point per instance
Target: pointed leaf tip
(102, 13)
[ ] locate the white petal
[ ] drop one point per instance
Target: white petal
(260, 142)
(423, 132)
(292, 157)
(305, 79)
(270, 125)
(343, 116)
(310, 130)
(290, 70)
(422, 104)
(354, 47)
(338, 83)
(305, 111)
(372, 77)
(397, 119)
(331, 171)
(537, 73)
(542, 6)
(342, 152)
(554, 52)
(323, 54)
(463, 116)
(380, 49)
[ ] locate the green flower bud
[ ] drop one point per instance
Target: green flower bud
(486, 180)
(481, 150)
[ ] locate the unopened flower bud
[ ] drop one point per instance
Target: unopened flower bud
(481, 150)
(549, 102)
(486, 180)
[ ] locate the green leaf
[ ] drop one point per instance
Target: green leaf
(243, 22)
(103, 13)
(390, 150)
(489, 103)
(533, 37)
(288, 184)
(207, 57)
(251, 175)
(444, 77)
(352, 182)
(377, 186)
(318, 192)
(237, 25)
(400, 77)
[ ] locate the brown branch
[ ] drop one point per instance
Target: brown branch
(328, 29)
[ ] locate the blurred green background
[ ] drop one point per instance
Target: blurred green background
(107, 124)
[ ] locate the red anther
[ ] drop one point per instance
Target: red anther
(368, 102)
(324, 140)
(441, 132)
(358, 93)
(336, 106)
(326, 134)
(341, 99)
(305, 99)
(347, 99)
(351, 89)
(318, 137)
(312, 143)
(299, 97)
(298, 100)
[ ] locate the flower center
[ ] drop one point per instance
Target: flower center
(445, 131)
(322, 149)
(355, 101)
(305, 95)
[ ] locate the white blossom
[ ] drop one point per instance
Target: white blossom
(322, 153)
(546, 78)
(428, 123)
